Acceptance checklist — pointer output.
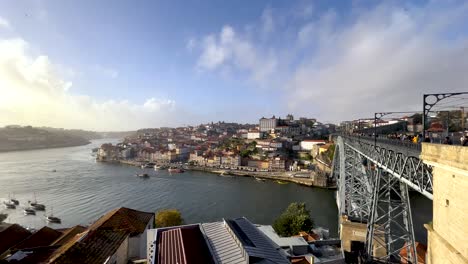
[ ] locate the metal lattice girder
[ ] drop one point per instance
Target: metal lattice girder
(400, 161)
(390, 229)
(354, 182)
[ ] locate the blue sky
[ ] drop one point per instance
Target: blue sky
(118, 65)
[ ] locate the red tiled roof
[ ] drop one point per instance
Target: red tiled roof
(43, 237)
(123, 218)
(10, 235)
(92, 247)
(69, 234)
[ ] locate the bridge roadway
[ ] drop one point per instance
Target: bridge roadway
(398, 158)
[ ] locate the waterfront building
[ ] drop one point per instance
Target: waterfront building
(268, 124)
(229, 241)
(258, 164)
(277, 164)
(108, 152)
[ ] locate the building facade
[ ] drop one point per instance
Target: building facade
(267, 124)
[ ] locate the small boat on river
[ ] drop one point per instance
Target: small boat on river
(35, 205)
(9, 205)
(175, 170)
(142, 175)
(12, 200)
(29, 211)
(282, 182)
(259, 179)
(53, 219)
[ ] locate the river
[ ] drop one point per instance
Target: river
(81, 190)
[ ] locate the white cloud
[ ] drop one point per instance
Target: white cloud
(342, 66)
(383, 61)
(33, 92)
(230, 49)
(105, 71)
(5, 23)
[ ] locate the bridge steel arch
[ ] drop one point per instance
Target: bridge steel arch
(373, 180)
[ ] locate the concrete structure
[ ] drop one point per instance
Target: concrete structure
(353, 237)
(448, 233)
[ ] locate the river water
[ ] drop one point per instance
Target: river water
(81, 190)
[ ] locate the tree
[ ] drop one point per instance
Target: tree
(168, 217)
(294, 219)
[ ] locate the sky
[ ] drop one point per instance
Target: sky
(123, 65)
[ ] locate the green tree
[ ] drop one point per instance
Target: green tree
(294, 219)
(168, 217)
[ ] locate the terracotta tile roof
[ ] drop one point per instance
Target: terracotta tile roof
(92, 247)
(123, 218)
(10, 235)
(69, 234)
(32, 255)
(43, 237)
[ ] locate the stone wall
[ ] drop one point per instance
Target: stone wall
(448, 234)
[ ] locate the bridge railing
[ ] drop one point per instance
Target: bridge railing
(415, 147)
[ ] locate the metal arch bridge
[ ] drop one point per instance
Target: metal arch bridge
(373, 177)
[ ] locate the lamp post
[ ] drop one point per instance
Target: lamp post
(382, 114)
(427, 105)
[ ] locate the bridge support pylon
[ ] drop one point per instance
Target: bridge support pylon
(390, 235)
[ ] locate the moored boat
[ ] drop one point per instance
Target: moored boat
(259, 179)
(282, 182)
(29, 211)
(175, 170)
(9, 205)
(12, 200)
(35, 205)
(53, 219)
(142, 175)
(38, 207)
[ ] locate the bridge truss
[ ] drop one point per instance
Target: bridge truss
(373, 178)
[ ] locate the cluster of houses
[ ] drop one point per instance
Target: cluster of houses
(273, 145)
(125, 235)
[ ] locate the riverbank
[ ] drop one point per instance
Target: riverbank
(301, 178)
(52, 146)
(274, 176)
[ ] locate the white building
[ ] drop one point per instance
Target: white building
(254, 134)
(267, 124)
(310, 143)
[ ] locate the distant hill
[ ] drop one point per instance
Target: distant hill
(27, 137)
(119, 134)
(89, 135)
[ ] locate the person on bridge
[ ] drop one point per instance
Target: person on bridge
(427, 139)
(447, 141)
(465, 141)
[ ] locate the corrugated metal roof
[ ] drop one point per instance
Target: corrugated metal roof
(264, 250)
(171, 249)
(224, 247)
